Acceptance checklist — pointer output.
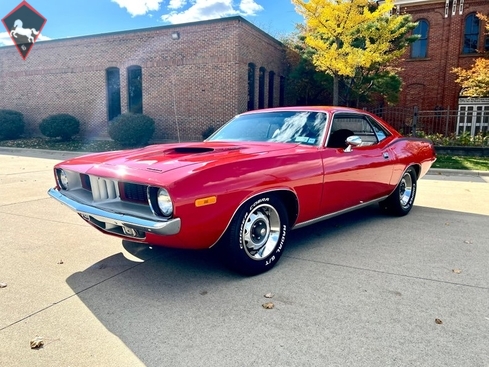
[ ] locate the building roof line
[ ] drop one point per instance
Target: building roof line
(169, 27)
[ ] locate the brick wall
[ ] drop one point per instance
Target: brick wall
(189, 84)
(428, 83)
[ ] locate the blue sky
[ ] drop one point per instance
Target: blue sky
(70, 18)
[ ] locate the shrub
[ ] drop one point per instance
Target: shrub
(63, 126)
(131, 129)
(12, 124)
(463, 139)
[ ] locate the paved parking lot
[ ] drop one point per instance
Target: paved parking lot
(363, 289)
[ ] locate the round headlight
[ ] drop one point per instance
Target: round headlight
(63, 179)
(164, 202)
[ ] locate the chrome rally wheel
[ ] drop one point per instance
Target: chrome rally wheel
(401, 201)
(261, 231)
(406, 190)
(256, 236)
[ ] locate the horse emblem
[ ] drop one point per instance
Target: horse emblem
(26, 32)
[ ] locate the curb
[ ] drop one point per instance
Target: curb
(42, 153)
(456, 172)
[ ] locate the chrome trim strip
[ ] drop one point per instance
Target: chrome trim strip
(169, 227)
(328, 216)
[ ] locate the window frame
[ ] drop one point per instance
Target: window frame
(262, 71)
(419, 48)
(470, 35)
(378, 132)
(132, 105)
(251, 86)
(113, 90)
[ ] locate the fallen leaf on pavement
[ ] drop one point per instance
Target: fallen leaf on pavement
(37, 342)
(268, 295)
(268, 305)
(438, 321)
(3, 285)
(60, 262)
(456, 271)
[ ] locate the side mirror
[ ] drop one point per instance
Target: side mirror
(352, 141)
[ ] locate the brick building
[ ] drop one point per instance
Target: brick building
(187, 77)
(450, 35)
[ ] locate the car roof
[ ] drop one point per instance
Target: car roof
(329, 109)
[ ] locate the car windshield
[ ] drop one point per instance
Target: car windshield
(303, 127)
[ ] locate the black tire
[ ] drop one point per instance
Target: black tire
(256, 236)
(401, 201)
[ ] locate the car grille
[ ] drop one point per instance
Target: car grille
(134, 192)
(103, 189)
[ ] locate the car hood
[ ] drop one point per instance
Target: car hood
(163, 158)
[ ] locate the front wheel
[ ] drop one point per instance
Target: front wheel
(401, 201)
(256, 237)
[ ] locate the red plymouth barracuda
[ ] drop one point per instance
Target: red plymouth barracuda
(243, 189)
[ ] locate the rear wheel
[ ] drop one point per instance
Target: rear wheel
(256, 237)
(401, 201)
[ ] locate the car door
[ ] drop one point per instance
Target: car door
(356, 176)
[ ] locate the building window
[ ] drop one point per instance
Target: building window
(251, 86)
(471, 34)
(281, 101)
(261, 87)
(135, 89)
(419, 49)
(113, 85)
(271, 83)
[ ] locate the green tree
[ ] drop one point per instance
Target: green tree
(354, 40)
(306, 84)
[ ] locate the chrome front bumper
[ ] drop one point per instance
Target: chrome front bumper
(166, 228)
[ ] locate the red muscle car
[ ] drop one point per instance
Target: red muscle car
(259, 176)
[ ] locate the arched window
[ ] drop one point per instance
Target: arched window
(261, 87)
(281, 101)
(113, 86)
(135, 89)
(419, 49)
(471, 34)
(251, 86)
(271, 82)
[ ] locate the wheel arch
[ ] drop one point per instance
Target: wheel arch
(416, 167)
(286, 195)
(291, 203)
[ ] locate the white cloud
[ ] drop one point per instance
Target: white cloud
(250, 7)
(177, 4)
(139, 7)
(5, 39)
(210, 9)
(42, 38)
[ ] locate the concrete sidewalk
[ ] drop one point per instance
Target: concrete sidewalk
(362, 289)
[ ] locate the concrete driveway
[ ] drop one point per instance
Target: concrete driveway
(363, 289)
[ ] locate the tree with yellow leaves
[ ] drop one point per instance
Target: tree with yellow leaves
(475, 81)
(353, 37)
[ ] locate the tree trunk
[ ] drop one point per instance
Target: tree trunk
(336, 90)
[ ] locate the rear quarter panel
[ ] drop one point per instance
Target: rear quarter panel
(412, 151)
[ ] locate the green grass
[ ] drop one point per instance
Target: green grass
(443, 161)
(459, 162)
